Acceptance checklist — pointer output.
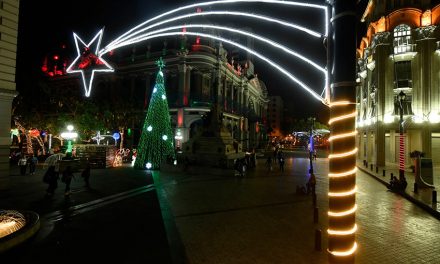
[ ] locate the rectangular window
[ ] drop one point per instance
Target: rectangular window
(403, 76)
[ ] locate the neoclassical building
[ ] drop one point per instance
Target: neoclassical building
(398, 72)
(197, 77)
(198, 74)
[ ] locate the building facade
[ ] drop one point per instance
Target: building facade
(399, 82)
(198, 74)
(9, 10)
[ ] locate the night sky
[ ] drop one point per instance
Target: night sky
(46, 25)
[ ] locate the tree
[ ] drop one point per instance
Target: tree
(156, 140)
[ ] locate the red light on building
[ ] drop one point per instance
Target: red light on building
(55, 57)
(44, 68)
(198, 40)
(199, 10)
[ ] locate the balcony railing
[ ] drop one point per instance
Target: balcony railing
(404, 48)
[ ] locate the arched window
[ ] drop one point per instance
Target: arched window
(402, 39)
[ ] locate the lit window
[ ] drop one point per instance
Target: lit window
(402, 39)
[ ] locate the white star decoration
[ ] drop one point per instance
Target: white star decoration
(88, 61)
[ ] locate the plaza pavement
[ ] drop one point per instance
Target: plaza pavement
(211, 216)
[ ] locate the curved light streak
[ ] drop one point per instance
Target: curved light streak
(342, 194)
(290, 3)
(343, 154)
(343, 135)
(343, 174)
(262, 57)
(353, 114)
(246, 33)
(342, 232)
(344, 253)
(232, 13)
(343, 213)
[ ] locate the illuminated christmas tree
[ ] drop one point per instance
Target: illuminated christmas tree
(156, 142)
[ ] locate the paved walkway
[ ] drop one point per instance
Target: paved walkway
(205, 217)
(261, 219)
(423, 197)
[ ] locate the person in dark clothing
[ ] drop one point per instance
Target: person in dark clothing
(281, 161)
(403, 183)
(67, 179)
(23, 165)
(52, 180)
(32, 164)
(86, 174)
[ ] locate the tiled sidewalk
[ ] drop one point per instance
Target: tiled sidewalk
(424, 197)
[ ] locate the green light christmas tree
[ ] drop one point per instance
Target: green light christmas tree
(156, 142)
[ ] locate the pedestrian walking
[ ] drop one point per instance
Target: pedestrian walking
(67, 179)
(51, 178)
(22, 163)
(85, 174)
(281, 161)
(33, 160)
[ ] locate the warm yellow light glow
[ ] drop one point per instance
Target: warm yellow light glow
(426, 18)
(344, 154)
(343, 213)
(350, 134)
(343, 174)
(341, 117)
(344, 253)
(341, 194)
(342, 232)
(339, 103)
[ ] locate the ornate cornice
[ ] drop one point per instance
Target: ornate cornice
(425, 32)
(380, 38)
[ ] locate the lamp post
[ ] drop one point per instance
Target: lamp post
(311, 144)
(69, 135)
(402, 97)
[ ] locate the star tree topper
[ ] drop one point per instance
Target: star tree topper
(160, 63)
(88, 61)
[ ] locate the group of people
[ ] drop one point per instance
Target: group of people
(24, 161)
(278, 155)
(52, 176)
(398, 184)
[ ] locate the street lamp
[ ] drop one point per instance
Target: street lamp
(69, 135)
(402, 97)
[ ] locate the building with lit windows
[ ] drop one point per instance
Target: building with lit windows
(399, 82)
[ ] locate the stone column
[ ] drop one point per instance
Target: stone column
(380, 144)
(392, 151)
(6, 97)
(8, 40)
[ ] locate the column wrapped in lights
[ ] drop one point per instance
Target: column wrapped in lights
(342, 159)
(156, 140)
(402, 97)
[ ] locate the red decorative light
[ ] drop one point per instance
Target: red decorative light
(55, 57)
(402, 152)
(34, 132)
(198, 40)
(44, 68)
